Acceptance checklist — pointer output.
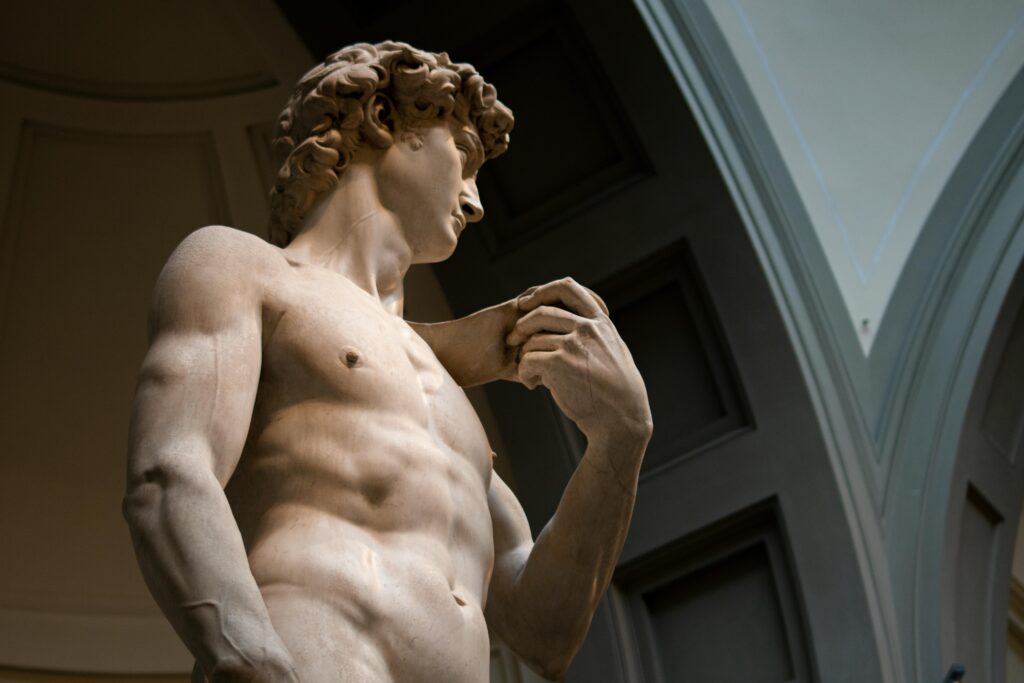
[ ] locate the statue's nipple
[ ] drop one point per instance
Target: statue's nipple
(350, 356)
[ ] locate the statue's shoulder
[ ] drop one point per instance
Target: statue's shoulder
(226, 252)
(217, 265)
(228, 248)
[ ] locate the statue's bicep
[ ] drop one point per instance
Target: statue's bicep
(512, 542)
(198, 380)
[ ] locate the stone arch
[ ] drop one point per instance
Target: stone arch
(985, 497)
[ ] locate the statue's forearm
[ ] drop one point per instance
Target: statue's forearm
(193, 559)
(472, 348)
(574, 557)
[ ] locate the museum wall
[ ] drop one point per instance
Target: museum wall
(123, 127)
(932, 487)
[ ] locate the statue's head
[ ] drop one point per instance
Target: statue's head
(365, 95)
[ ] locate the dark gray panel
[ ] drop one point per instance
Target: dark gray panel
(662, 312)
(974, 572)
(1003, 421)
(702, 620)
(667, 350)
(574, 157)
(367, 13)
(566, 115)
(720, 606)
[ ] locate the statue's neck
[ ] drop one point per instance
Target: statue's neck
(349, 232)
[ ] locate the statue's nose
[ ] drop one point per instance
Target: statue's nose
(469, 202)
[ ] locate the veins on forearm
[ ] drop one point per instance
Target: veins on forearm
(222, 630)
(611, 472)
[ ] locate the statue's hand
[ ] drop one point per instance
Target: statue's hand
(569, 345)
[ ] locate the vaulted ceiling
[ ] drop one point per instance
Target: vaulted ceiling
(872, 105)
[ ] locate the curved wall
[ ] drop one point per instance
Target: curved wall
(147, 122)
(893, 420)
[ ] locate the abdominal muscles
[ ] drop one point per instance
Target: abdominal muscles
(387, 618)
(373, 564)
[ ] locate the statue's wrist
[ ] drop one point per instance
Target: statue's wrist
(621, 432)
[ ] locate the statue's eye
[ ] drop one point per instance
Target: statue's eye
(463, 154)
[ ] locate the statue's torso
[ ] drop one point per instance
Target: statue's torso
(362, 491)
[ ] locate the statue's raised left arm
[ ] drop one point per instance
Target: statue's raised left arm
(543, 595)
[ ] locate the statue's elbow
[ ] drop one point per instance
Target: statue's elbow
(554, 670)
(553, 661)
(551, 668)
(142, 499)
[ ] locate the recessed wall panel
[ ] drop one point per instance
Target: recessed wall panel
(720, 606)
(702, 620)
(975, 556)
(94, 216)
(669, 326)
(566, 113)
(1003, 421)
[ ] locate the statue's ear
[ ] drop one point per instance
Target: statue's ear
(379, 121)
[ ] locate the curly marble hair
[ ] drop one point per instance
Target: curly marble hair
(339, 105)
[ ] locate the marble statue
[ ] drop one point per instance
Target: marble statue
(310, 494)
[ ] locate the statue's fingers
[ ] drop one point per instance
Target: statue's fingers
(566, 293)
(598, 299)
(542, 342)
(535, 365)
(543, 319)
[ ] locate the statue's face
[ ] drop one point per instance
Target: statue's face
(431, 189)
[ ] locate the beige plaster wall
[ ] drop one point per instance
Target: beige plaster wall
(124, 126)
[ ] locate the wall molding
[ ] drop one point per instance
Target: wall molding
(876, 413)
(801, 283)
(136, 92)
(959, 223)
(923, 512)
(698, 567)
(32, 132)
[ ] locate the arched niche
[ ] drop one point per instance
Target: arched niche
(985, 498)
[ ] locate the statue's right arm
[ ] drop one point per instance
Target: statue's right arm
(191, 415)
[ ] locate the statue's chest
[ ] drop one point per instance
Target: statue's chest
(328, 341)
(340, 364)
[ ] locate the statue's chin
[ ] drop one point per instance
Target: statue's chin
(437, 258)
(441, 250)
